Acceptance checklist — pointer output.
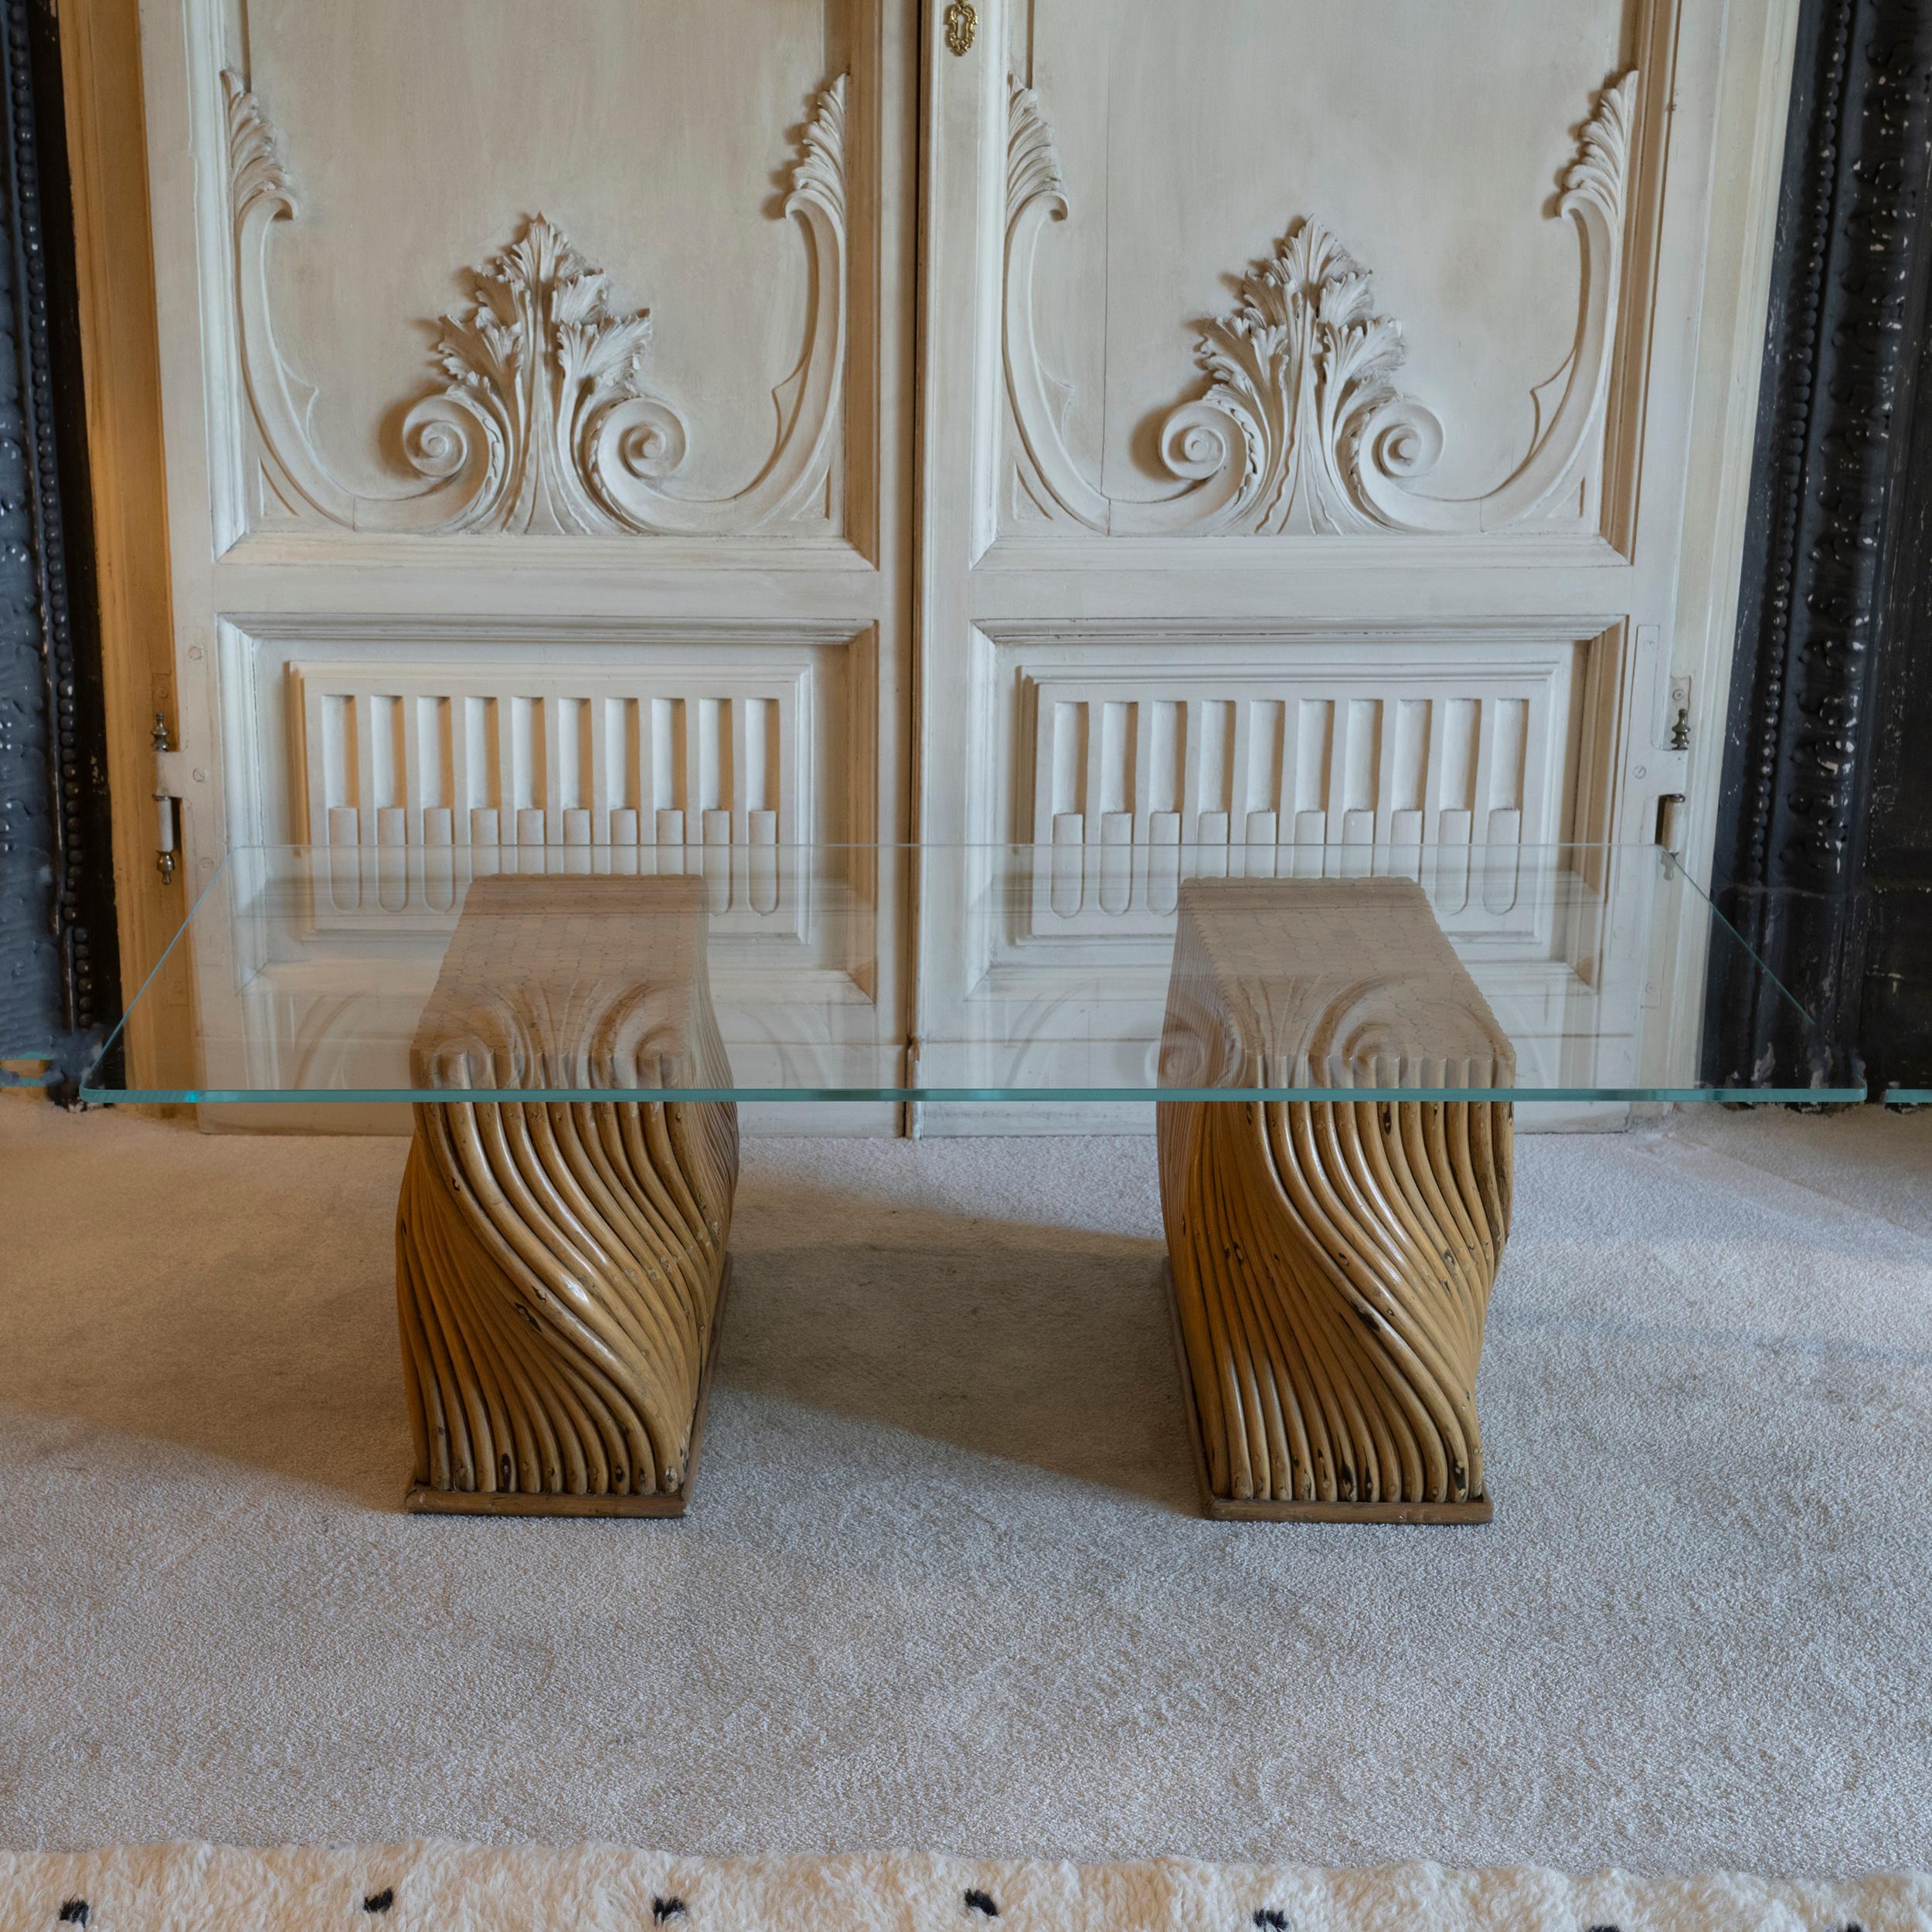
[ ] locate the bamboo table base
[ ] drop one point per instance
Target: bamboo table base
(1330, 1261)
(560, 1265)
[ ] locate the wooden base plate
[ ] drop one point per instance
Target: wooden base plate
(423, 1501)
(1262, 1509)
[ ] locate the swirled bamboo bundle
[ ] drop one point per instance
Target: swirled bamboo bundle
(560, 1263)
(1331, 1260)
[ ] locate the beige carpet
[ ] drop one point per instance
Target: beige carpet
(447, 1888)
(942, 1589)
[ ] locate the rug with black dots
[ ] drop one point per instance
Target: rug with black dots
(440, 1887)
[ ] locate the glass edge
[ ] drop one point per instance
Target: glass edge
(985, 844)
(167, 952)
(968, 1096)
(95, 1095)
(1674, 864)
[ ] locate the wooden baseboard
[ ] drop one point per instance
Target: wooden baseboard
(1242, 1509)
(423, 1501)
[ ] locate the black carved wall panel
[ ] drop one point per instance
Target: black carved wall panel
(1895, 1021)
(58, 971)
(1815, 676)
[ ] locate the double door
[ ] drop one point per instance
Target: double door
(1123, 426)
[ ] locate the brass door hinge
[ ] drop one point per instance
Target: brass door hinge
(168, 761)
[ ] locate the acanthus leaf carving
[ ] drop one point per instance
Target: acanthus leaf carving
(1298, 367)
(255, 169)
(545, 423)
(535, 361)
(1301, 429)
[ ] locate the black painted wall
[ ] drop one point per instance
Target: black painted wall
(1824, 855)
(58, 971)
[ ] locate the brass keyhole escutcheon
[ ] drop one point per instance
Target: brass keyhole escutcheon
(962, 22)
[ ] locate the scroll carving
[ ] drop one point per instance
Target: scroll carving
(1300, 429)
(545, 424)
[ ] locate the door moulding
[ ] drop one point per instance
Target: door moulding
(1301, 430)
(544, 425)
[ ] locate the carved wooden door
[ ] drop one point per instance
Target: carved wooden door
(534, 380)
(1336, 420)
(1333, 424)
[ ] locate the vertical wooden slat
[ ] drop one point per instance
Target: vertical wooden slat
(1239, 799)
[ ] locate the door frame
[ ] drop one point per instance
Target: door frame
(107, 153)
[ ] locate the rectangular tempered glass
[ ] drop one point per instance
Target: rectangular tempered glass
(337, 974)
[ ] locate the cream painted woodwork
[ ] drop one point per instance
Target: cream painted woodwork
(1308, 467)
(1332, 425)
(536, 394)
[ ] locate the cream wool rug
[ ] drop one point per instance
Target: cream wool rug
(434, 1887)
(944, 1585)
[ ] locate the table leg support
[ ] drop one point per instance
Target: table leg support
(1330, 1265)
(560, 1272)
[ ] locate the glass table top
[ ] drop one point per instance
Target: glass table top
(385, 973)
